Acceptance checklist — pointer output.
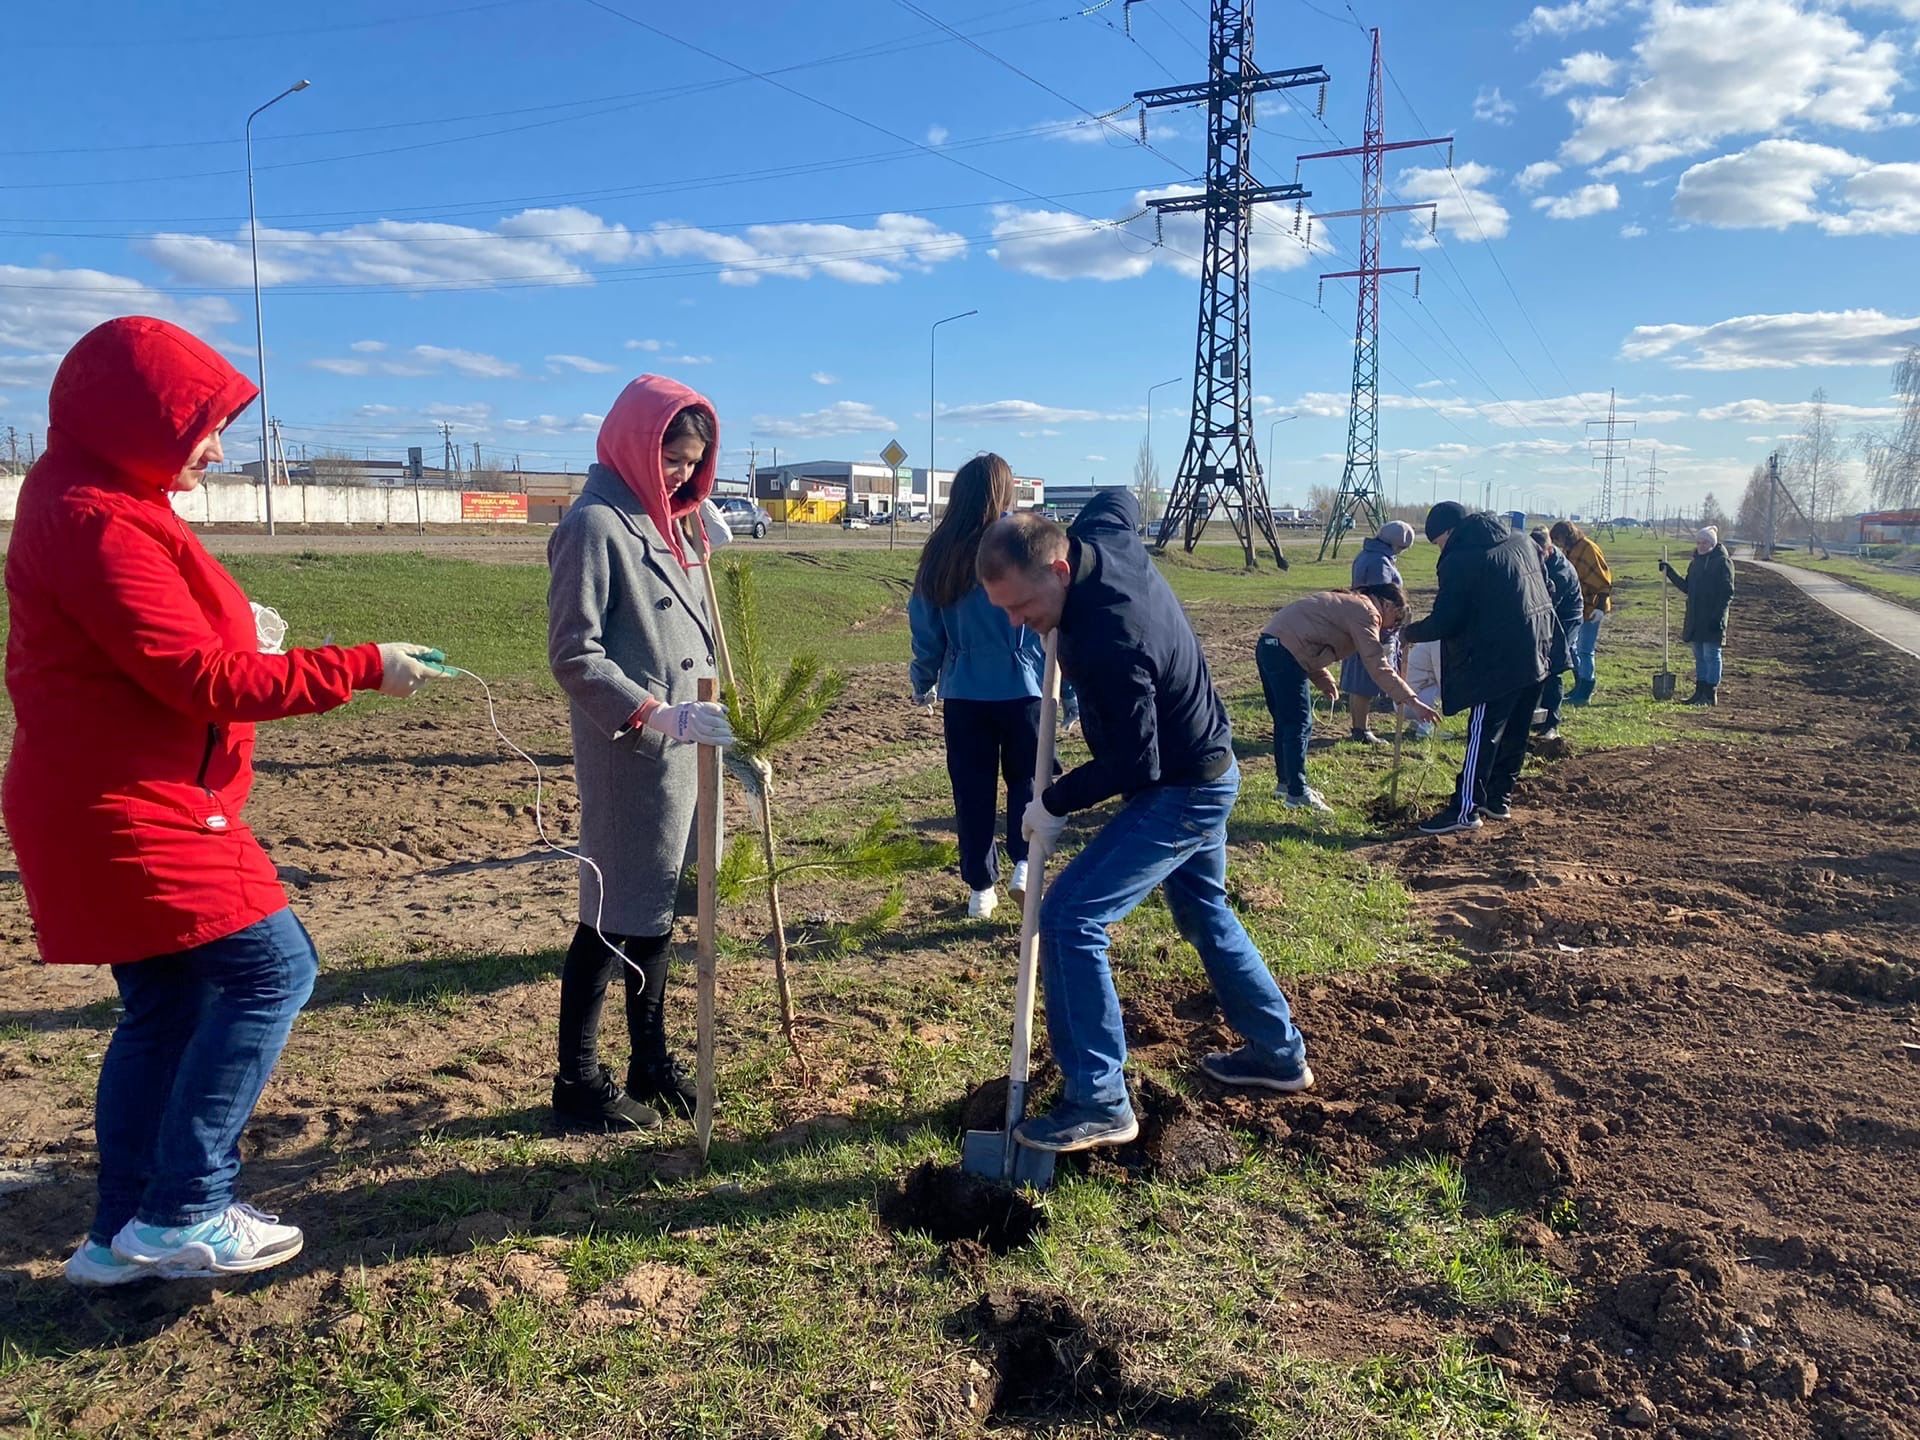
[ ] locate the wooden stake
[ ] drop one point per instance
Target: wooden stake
(708, 826)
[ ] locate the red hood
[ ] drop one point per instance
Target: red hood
(629, 445)
(140, 394)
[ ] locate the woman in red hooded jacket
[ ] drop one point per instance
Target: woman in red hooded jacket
(629, 639)
(136, 673)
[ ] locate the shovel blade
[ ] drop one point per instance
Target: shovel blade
(986, 1153)
(1663, 685)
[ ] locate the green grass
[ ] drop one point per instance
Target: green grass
(1420, 1210)
(1900, 586)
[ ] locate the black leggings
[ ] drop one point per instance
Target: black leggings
(583, 994)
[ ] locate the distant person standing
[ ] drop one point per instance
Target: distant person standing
(1373, 565)
(986, 673)
(1296, 650)
(1596, 596)
(1494, 620)
(1564, 586)
(1708, 586)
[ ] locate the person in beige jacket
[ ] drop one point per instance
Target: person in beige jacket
(1300, 648)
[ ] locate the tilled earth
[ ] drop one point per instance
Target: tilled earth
(1687, 1040)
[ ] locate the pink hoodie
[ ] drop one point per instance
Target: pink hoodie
(629, 445)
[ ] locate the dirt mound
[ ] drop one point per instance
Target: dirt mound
(952, 1205)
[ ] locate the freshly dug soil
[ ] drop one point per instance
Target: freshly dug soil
(950, 1204)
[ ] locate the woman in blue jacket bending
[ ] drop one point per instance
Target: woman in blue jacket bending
(988, 673)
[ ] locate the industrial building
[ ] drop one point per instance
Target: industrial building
(825, 491)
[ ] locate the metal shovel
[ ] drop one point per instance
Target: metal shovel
(995, 1154)
(1663, 681)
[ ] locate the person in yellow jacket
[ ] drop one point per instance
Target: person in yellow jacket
(1596, 599)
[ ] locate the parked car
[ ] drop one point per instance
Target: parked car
(744, 517)
(854, 522)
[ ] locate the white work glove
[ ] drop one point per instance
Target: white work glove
(693, 722)
(1040, 825)
(714, 521)
(928, 700)
(405, 668)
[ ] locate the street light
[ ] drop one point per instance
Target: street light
(259, 325)
(1150, 389)
(1270, 429)
(933, 514)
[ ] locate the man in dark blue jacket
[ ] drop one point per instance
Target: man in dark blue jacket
(1494, 621)
(1161, 743)
(1563, 586)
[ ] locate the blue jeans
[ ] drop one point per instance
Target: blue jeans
(1173, 836)
(1585, 640)
(185, 1067)
(1290, 702)
(1706, 662)
(989, 741)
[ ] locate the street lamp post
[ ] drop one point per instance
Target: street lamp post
(933, 515)
(1270, 429)
(259, 324)
(1150, 467)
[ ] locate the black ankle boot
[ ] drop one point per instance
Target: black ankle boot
(664, 1083)
(1711, 694)
(599, 1104)
(1698, 697)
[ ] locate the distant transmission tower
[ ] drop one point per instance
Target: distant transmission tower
(1653, 474)
(1360, 492)
(1607, 451)
(1220, 468)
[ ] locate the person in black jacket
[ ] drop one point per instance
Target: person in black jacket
(1160, 743)
(1495, 623)
(1563, 585)
(1708, 586)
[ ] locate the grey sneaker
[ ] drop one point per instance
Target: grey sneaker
(1311, 800)
(1077, 1127)
(237, 1241)
(1249, 1067)
(1448, 821)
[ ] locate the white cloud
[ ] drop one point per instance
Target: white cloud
(422, 360)
(1536, 175)
(1093, 459)
(579, 364)
(843, 417)
(368, 347)
(937, 134)
(1579, 204)
(1770, 187)
(341, 367)
(651, 346)
(1773, 412)
(1778, 342)
(1493, 107)
(870, 255)
(1705, 72)
(43, 311)
(1885, 201)
(1024, 412)
(1561, 410)
(1571, 18)
(585, 423)
(1468, 209)
(1056, 245)
(1632, 232)
(1588, 70)
(821, 377)
(545, 245)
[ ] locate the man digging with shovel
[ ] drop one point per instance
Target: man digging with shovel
(1160, 742)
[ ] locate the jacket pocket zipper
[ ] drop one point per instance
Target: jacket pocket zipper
(215, 818)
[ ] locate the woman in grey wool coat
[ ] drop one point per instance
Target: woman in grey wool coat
(629, 639)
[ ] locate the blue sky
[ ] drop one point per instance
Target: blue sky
(494, 212)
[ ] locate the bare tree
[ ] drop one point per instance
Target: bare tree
(1712, 514)
(1751, 523)
(1893, 456)
(1320, 499)
(1146, 482)
(1816, 464)
(334, 467)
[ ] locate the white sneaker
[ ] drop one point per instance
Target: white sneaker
(1312, 800)
(981, 904)
(237, 1241)
(1017, 886)
(94, 1266)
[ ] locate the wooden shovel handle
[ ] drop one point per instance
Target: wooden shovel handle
(1027, 973)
